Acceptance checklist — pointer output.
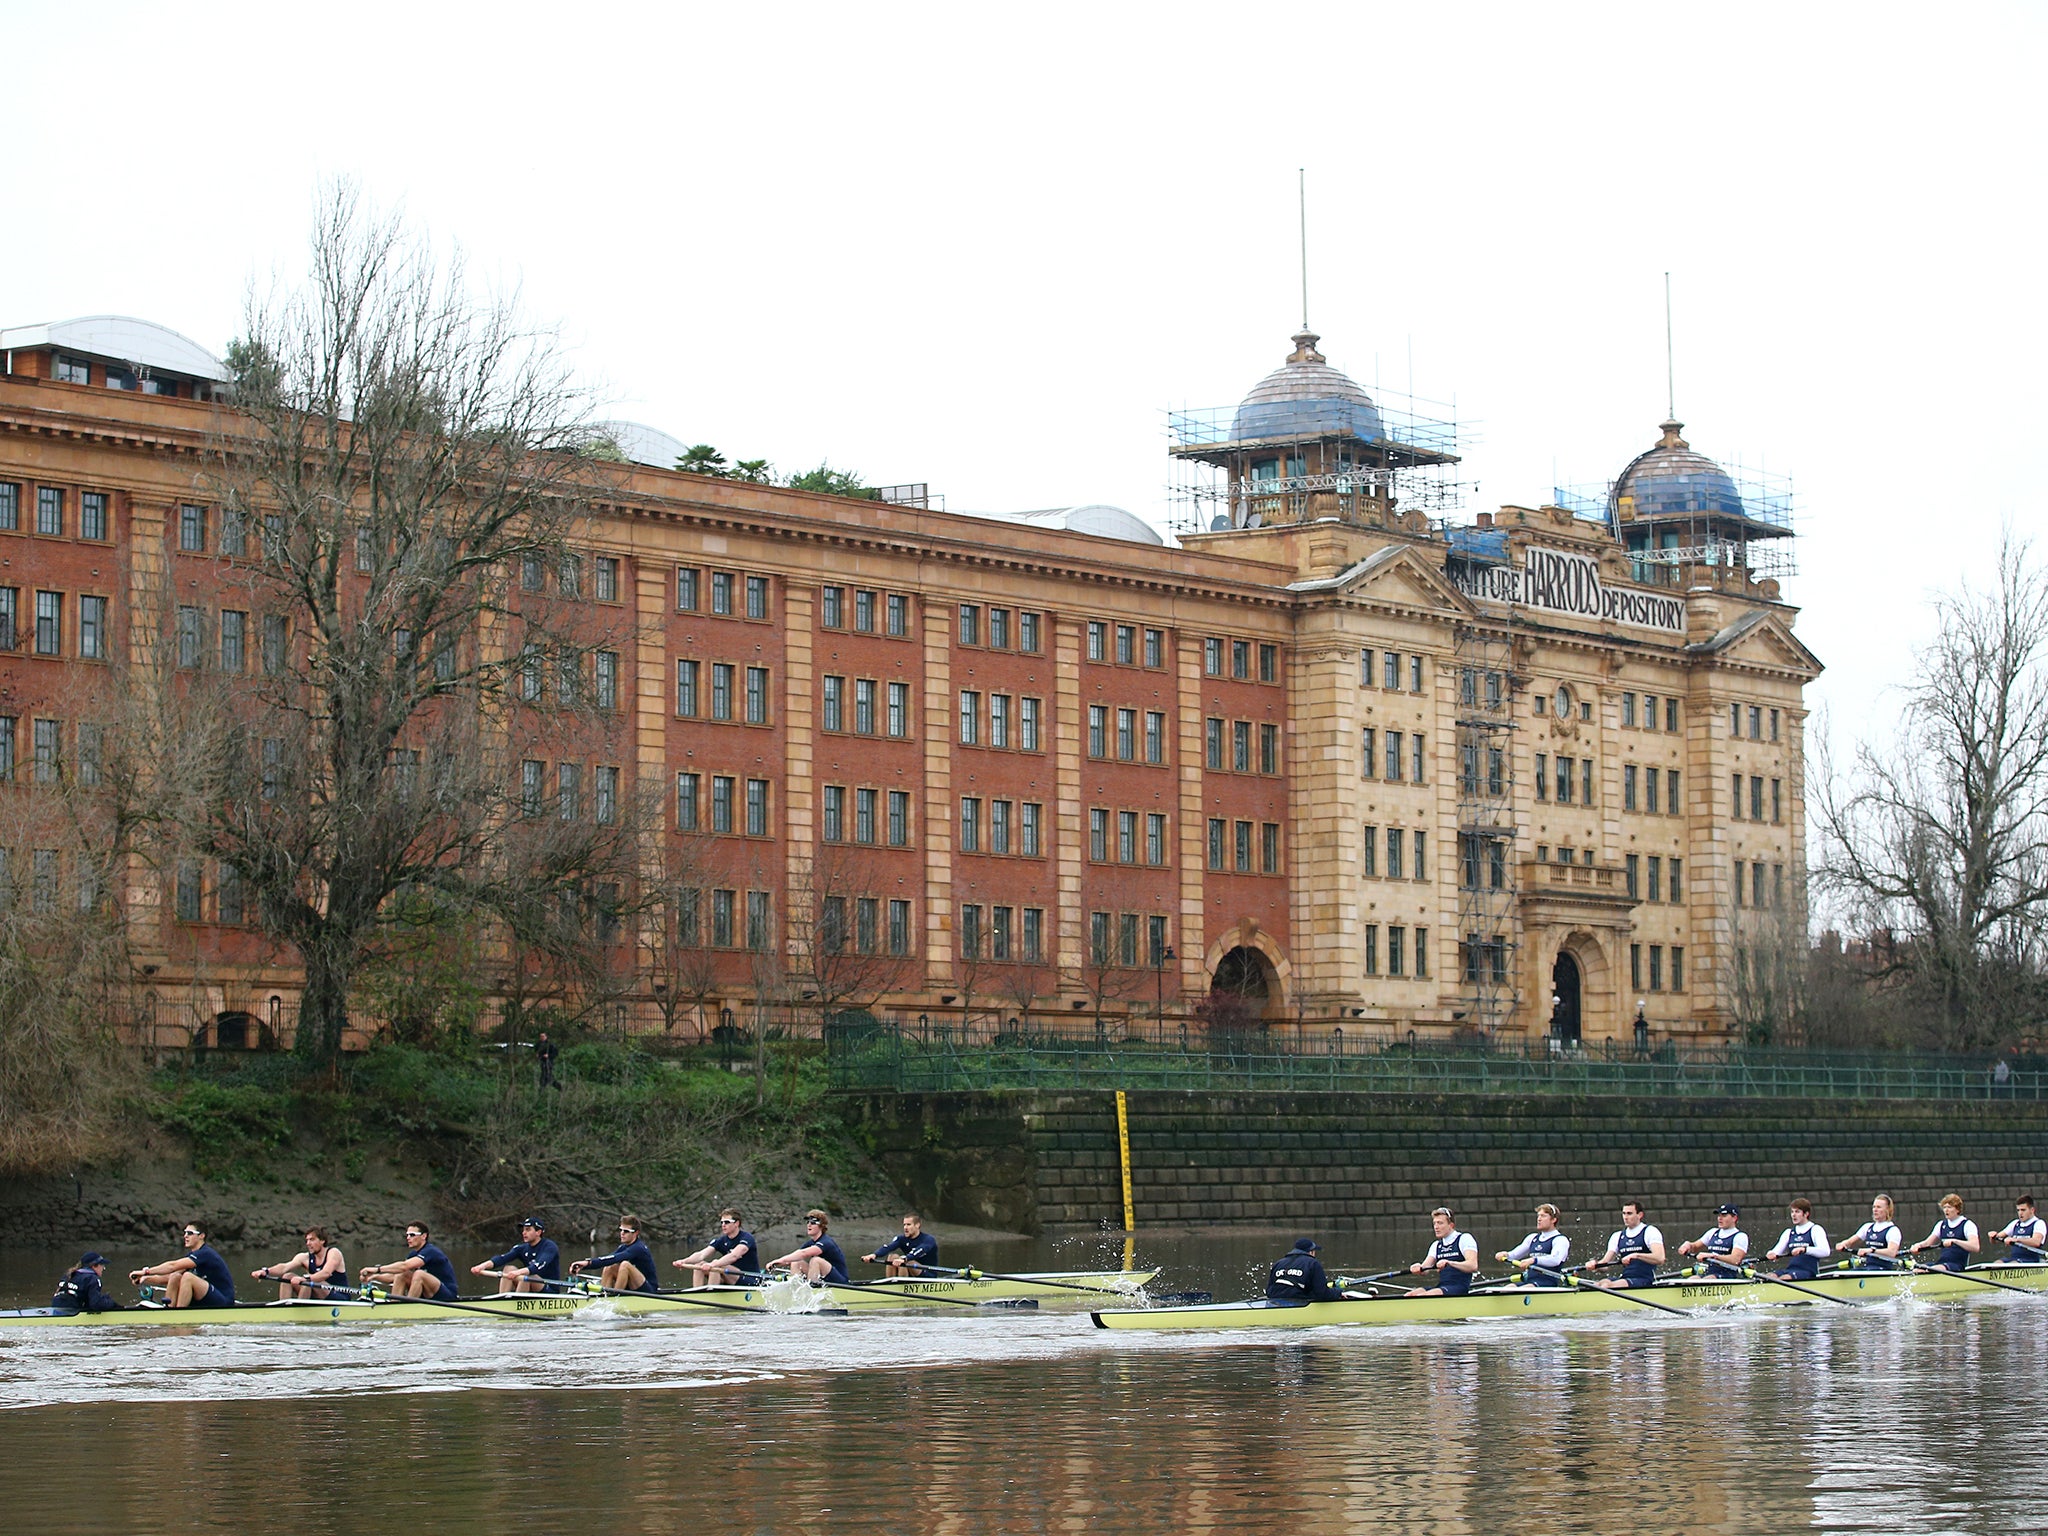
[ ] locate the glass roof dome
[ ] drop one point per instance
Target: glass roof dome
(1306, 398)
(1670, 478)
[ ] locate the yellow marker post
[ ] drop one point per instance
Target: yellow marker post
(1123, 1147)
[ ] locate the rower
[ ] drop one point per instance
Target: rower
(2024, 1235)
(84, 1289)
(1638, 1248)
(911, 1254)
(533, 1263)
(1955, 1234)
(1802, 1245)
(1297, 1275)
(424, 1274)
(821, 1260)
(1453, 1256)
(1877, 1239)
(731, 1256)
(628, 1267)
(197, 1278)
(324, 1271)
(1542, 1254)
(1724, 1245)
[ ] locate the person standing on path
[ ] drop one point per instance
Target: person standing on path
(544, 1053)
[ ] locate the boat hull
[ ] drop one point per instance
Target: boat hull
(1580, 1301)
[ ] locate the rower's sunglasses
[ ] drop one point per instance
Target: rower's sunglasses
(194, 1232)
(727, 1221)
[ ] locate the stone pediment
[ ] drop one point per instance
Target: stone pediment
(1398, 575)
(1759, 639)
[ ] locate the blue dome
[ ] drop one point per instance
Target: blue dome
(1672, 479)
(1306, 398)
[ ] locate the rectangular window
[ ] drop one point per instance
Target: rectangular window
(834, 823)
(970, 824)
(1217, 831)
(1756, 884)
(1656, 967)
(832, 607)
(899, 818)
(10, 507)
(44, 735)
(10, 616)
(864, 612)
(88, 764)
(1372, 949)
(1126, 735)
(1415, 674)
(1000, 921)
(1671, 791)
(92, 628)
(1155, 648)
(898, 610)
(686, 687)
(1633, 864)
(1777, 885)
(1027, 724)
(1098, 730)
(899, 706)
(1735, 796)
(1734, 719)
(899, 927)
(999, 812)
(687, 930)
(1671, 714)
(866, 913)
(970, 624)
(1678, 967)
(686, 591)
(1756, 722)
(864, 816)
(366, 548)
(1468, 861)
(686, 802)
(1677, 879)
(721, 690)
(1098, 835)
(569, 790)
(1100, 951)
(1098, 640)
(1370, 857)
(1365, 669)
(533, 575)
(7, 725)
(1656, 878)
(1396, 846)
(50, 512)
(1269, 847)
(757, 807)
(757, 597)
(1241, 745)
(1269, 663)
(570, 576)
(1212, 737)
(1027, 633)
(1155, 941)
(1212, 657)
(607, 796)
(1652, 790)
(1564, 781)
(1155, 736)
(1034, 933)
(1628, 709)
(1422, 954)
(92, 523)
(1542, 775)
(234, 631)
(1496, 864)
(1774, 720)
(721, 592)
(721, 918)
(999, 629)
(757, 695)
(1585, 781)
(1395, 745)
(833, 703)
(1756, 797)
(1033, 815)
(1415, 745)
(1241, 658)
(189, 887)
(1368, 755)
(1126, 645)
(1635, 967)
(50, 626)
(760, 922)
(721, 803)
(832, 925)
(1421, 861)
(999, 720)
(1628, 787)
(606, 668)
(1397, 950)
(1390, 671)
(864, 706)
(532, 787)
(1155, 838)
(1127, 938)
(607, 579)
(1269, 749)
(1127, 837)
(1777, 800)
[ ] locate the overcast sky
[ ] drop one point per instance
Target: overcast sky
(990, 248)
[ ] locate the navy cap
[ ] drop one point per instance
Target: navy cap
(534, 1221)
(91, 1259)
(1730, 1209)
(1306, 1245)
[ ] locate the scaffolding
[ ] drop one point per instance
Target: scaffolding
(1737, 519)
(1483, 655)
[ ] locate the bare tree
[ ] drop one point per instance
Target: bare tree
(401, 487)
(681, 966)
(1769, 966)
(838, 954)
(1020, 988)
(1107, 975)
(1939, 832)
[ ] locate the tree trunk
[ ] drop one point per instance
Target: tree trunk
(323, 1008)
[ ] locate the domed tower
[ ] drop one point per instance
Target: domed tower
(1306, 443)
(1672, 507)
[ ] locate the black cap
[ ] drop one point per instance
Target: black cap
(1730, 1209)
(91, 1259)
(533, 1221)
(1306, 1245)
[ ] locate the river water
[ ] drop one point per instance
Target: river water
(1903, 1417)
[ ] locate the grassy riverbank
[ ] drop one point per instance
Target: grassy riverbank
(467, 1138)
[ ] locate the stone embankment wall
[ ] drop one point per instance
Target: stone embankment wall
(1338, 1162)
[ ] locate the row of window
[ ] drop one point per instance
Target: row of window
(1127, 848)
(722, 815)
(533, 574)
(728, 692)
(1758, 893)
(1239, 652)
(1756, 798)
(52, 512)
(1231, 846)
(1564, 703)
(894, 611)
(1013, 826)
(1406, 754)
(1652, 800)
(1212, 744)
(1656, 979)
(1402, 959)
(869, 822)
(1569, 769)
(1470, 756)
(565, 675)
(46, 745)
(1564, 855)
(996, 718)
(895, 722)
(1127, 653)
(46, 881)
(1655, 865)
(863, 934)
(1002, 932)
(1473, 686)
(1482, 860)
(996, 634)
(1755, 715)
(730, 594)
(1397, 864)
(1649, 711)
(1396, 673)
(46, 635)
(567, 799)
(715, 922)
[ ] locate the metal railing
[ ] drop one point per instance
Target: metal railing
(893, 1059)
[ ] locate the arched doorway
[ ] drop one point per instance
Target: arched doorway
(236, 1031)
(1244, 973)
(1565, 987)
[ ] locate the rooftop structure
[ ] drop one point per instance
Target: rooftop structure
(114, 352)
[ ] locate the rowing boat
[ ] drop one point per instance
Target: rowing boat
(776, 1296)
(1578, 1301)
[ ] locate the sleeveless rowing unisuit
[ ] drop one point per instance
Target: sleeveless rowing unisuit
(1452, 1282)
(2018, 1254)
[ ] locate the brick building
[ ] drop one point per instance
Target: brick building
(1354, 763)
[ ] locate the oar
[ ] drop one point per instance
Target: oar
(897, 1293)
(1383, 1276)
(1578, 1284)
(1937, 1269)
(989, 1274)
(1765, 1278)
(673, 1298)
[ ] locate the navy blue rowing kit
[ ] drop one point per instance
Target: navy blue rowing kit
(830, 1251)
(1630, 1245)
(635, 1253)
(1455, 1245)
(1298, 1276)
(1719, 1245)
(1547, 1253)
(1952, 1235)
(1811, 1236)
(541, 1260)
(919, 1252)
(2019, 1253)
(213, 1269)
(748, 1262)
(81, 1291)
(435, 1262)
(1875, 1235)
